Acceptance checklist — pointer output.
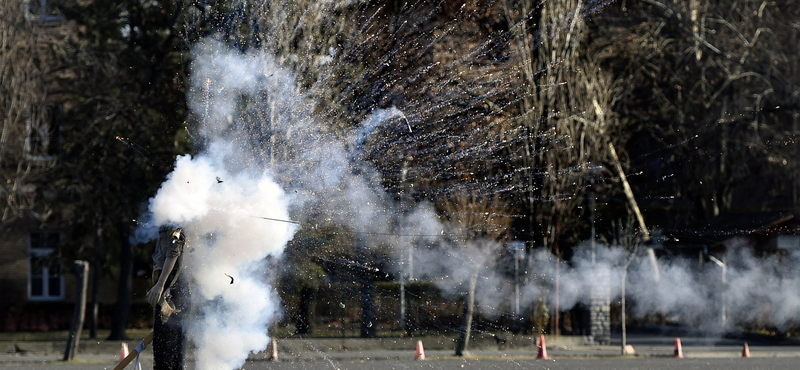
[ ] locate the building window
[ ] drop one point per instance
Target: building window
(42, 11)
(45, 279)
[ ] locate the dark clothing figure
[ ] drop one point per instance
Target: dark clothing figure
(169, 337)
(170, 297)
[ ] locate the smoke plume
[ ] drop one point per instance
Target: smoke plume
(263, 158)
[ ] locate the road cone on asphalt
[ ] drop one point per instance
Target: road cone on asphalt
(746, 350)
(628, 350)
(123, 353)
(542, 355)
(678, 349)
(420, 355)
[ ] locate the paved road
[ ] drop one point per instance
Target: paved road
(489, 364)
(594, 364)
(651, 353)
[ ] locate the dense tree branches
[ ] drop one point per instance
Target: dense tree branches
(26, 131)
(706, 89)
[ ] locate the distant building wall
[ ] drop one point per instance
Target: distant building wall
(19, 311)
(13, 271)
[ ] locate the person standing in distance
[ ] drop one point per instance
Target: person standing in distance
(170, 297)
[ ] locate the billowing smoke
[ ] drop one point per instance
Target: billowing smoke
(231, 206)
(218, 207)
(740, 289)
(263, 159)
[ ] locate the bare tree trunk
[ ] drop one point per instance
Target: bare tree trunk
(367, 293)
(22, 97)
(119, 323)
(96, 274)
(462, 346)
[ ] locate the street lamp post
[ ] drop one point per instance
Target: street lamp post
(406, 270)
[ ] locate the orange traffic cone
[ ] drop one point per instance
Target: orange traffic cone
(123, 351)
(678, 349)
(746, 350)
(420, 351)
(542, 349)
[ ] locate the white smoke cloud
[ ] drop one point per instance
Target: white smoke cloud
(227, 200)
(220, 210)
(755, 290)
(258, 138)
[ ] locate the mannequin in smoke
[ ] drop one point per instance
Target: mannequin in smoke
(170, 297)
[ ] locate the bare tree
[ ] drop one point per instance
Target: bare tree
(565, 117)
(706, 90)
(24, 131)
(484, 225)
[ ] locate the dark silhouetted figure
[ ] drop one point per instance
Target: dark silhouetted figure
(170, 297)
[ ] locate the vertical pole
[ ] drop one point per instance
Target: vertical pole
(82, 272)
(622, 311)
(406, 269)
(366, 291)
(402, 318)
(516, 288)
(724, 298)
(556, 330)
(591, 209)
(410, 279)
(96, 262)
(795, 115)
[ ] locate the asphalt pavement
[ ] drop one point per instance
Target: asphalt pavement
(341, 353)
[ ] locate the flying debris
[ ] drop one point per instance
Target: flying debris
(407, 123)
(230, 277)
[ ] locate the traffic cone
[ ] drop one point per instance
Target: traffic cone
(542, 349)
(746, 350)
(123, 351)
(420, 352)
(272, 350)
(628, 350)
(678, 349)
